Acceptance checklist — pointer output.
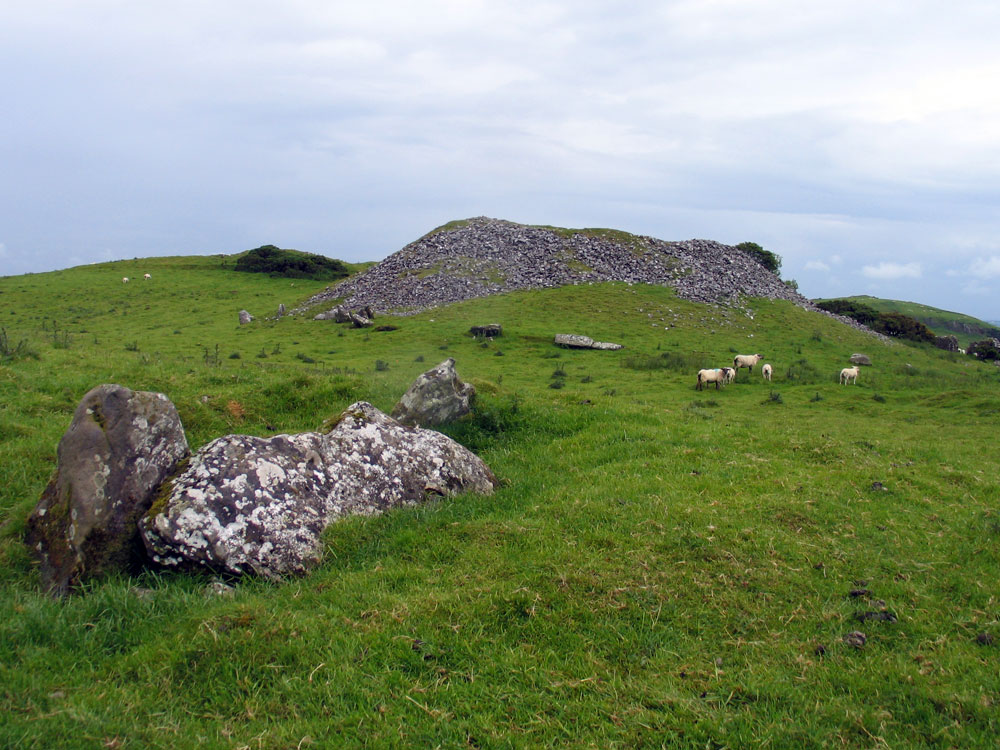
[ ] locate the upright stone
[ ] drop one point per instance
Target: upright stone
(435, 397)
(118, 449)
(281, 310)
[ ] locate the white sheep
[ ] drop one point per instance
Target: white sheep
(124, 279)
(728, 375)
(847, 373)
(716, 376)
(765, 370)
(146, 276)
(746, 360)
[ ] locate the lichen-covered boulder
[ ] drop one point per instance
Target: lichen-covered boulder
(260, 505)
(245, 318)
(435, 397)
(118, 449)
(860, 359)
(244, 504)
(380, 463)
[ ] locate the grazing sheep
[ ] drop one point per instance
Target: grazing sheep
(746, 360)
(765, 370)
(124, 279)
(716, 376)
(728, 375)
(146, 276)
(847, 373)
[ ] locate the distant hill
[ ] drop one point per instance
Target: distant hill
(942, 322)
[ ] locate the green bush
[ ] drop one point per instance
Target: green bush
(291, 264)
(766, 258)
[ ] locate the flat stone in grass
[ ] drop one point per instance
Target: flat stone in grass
(119, 447)
(577, 341)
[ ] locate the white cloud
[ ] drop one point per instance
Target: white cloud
(888, 271)
(817, 265)
(986, 267)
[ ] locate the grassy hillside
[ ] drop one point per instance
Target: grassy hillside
(661, 566)
(943, 322)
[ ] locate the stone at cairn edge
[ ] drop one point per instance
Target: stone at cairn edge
(120, 446)
(435, 397)
(490, 330)
(256, 505)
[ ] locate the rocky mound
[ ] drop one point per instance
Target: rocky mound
(481, 256)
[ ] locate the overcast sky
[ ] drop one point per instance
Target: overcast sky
(858, 140)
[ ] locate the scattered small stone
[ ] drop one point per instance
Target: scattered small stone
(984, 639)
(820, 650)
(218, 588)
(855, 593)
(877, 616)
(856, 639)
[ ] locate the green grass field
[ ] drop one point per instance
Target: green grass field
(661, 567)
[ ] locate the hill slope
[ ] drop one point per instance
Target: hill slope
(943, 322)
(480, 257)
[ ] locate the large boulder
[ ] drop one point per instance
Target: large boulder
(119, 447)
(245, 318)
(860, 359)
(260, 505)
(948, 343)
(244, 504)
(435, 397)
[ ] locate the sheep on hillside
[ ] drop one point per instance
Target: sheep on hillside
(124, 279)
(847, 373)
(746, 360)
(146, 276)
(716, 376)
(765, 370)
(728, 375)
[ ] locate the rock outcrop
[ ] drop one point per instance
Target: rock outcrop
(436, 397)
(260, 505)
(118, 449)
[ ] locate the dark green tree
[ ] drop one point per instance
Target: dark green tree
(770, 261)
(291, 264)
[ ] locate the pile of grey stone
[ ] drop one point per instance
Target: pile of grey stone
(127, 491)
(483, 256)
